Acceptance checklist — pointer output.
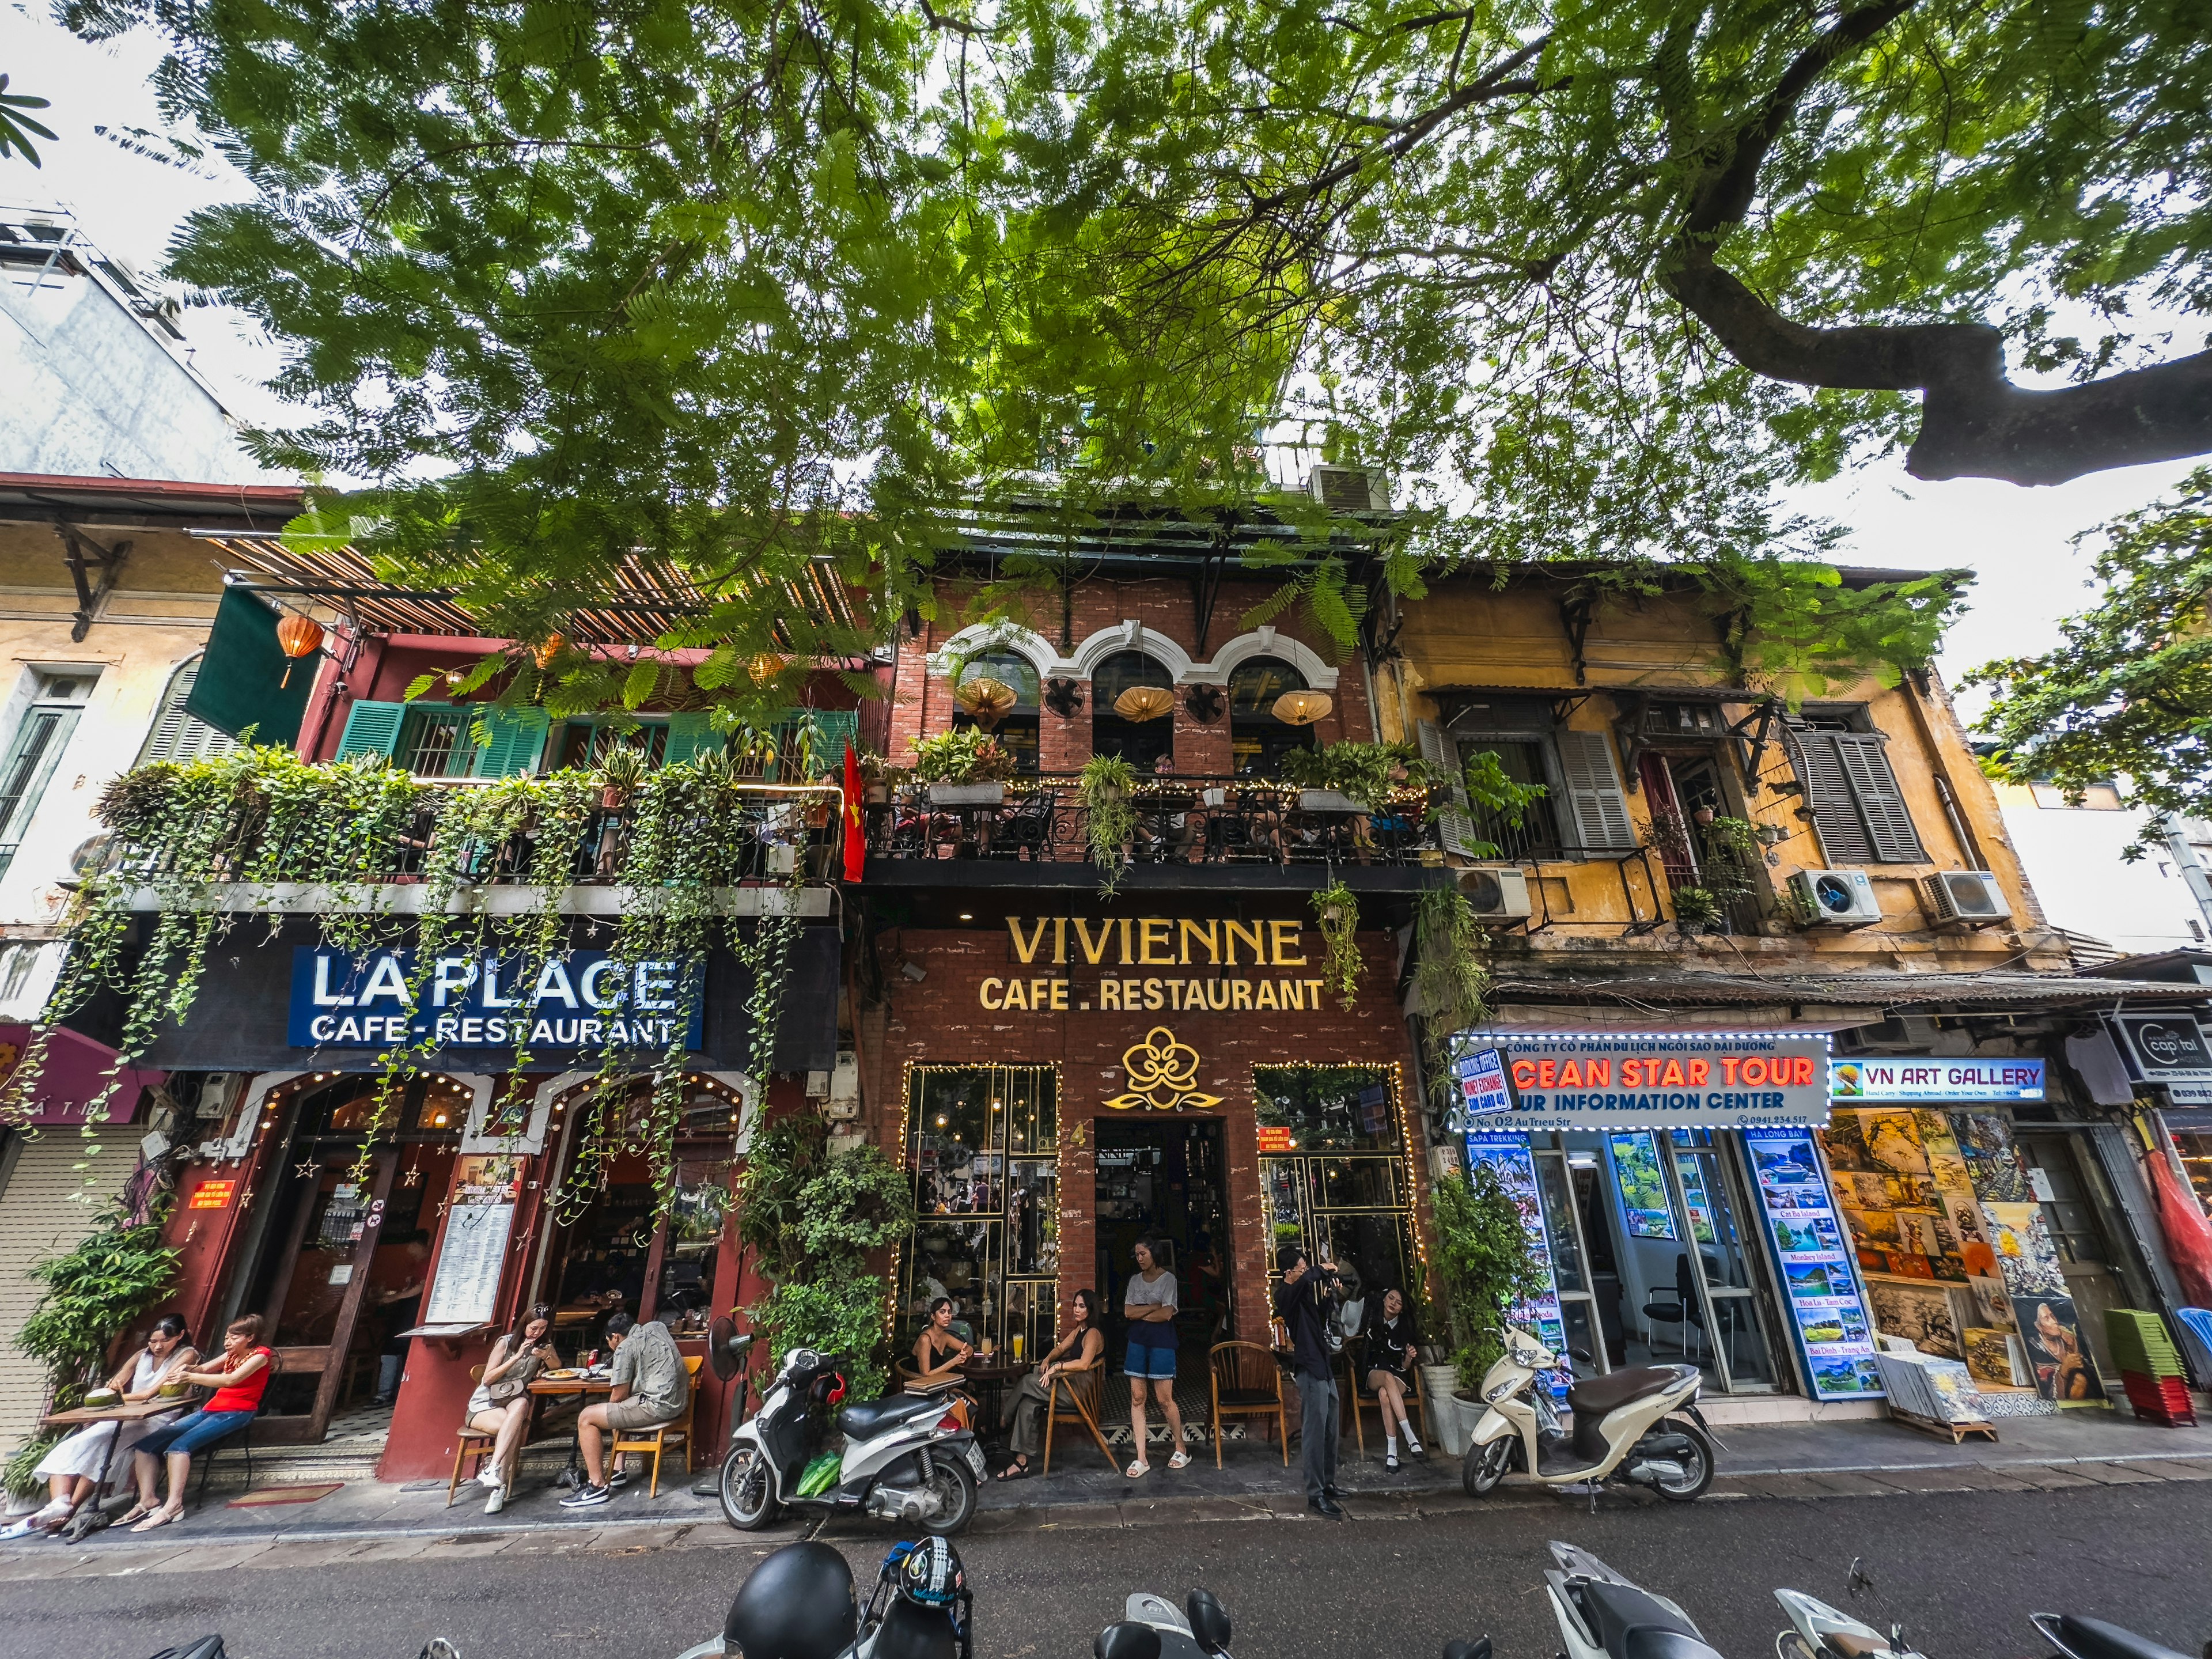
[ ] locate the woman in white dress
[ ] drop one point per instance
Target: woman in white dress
(72, 1467)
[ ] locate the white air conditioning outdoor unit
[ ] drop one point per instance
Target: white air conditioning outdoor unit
(1970, 898)
(1836, 898)
(1495, 892)
(1349, 489)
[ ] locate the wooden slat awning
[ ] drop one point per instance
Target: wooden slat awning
(644, 602)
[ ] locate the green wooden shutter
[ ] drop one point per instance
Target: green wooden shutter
(689, 736)
(1865, 761)
(513, 740)
(832, 729)
(372, 728)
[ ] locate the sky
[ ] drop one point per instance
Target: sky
(2018, 540)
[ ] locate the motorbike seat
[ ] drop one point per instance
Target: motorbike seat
(2092, 1638)
(1853, 1646)
(870, 1418)
(1596, 1395)
(1632, 1625)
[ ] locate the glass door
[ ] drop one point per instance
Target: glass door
(1570, 1270)
(1708, 1195)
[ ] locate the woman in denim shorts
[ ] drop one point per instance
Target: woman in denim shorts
(1149, 1307)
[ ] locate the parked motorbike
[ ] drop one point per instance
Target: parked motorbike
(1817, 1631)
(1149, 1627)
(1603, 1615)
(798, 1603)
(2092, 1638)
(1627, 1421)
(911, 1458)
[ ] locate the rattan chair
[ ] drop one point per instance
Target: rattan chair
(1358, 1396)
(1080, 1387)
(656, 1438)
(1247, 1381)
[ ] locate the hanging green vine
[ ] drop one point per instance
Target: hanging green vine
(365, 831)
(1448, 977)
(1109, 817)
(1339, 912)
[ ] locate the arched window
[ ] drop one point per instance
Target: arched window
(1017, 729)
(178, 736)
(1257, 740)
(1140, 743)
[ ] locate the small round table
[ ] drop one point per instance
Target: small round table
(991, 1377)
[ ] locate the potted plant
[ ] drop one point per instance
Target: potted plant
(1486, 1269)
(966, 768)
(1697, 910)
(1109, 817)
(622, 775)
(1352, 777)
(875, 775)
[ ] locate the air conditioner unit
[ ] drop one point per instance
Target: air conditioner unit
(1970, 898)
(1495, 892)
(1349, 489)
(1836, 898)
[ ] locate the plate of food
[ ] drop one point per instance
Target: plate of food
(561, 1374)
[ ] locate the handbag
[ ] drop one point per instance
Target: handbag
(513, 1386)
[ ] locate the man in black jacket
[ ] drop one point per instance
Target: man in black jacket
(1306, 1302)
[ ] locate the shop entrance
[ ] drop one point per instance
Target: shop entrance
(1163, 1179)
(2079, 1197)
(1673, 1275)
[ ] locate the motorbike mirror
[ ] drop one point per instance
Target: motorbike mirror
(1209, 1621)
(1127, 1640)
(1478, 1648)
(1858, 1582)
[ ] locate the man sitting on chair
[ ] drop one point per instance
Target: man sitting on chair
(651, 1386)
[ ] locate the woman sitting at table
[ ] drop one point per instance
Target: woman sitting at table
(937, 1353)
(239, 1383)
(75, 1466)
(499, 1406)
(1079, 1351)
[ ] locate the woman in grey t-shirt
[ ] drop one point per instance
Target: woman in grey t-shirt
(1150, 1306)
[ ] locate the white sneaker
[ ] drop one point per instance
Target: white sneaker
(496, 1502)
(489, 1478)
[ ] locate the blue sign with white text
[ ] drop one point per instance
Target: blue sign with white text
(584, 1000)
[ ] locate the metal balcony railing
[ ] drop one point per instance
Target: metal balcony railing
(1179, 820)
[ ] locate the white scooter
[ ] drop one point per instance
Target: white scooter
(1151, 1627)
(910, 1458)
(1602, 1615)
(1817, 1631)
(1624, 1420)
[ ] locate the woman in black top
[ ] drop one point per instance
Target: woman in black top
(938, 1353)
(1391, 1343)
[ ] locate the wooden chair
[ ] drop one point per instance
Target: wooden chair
(1082, 1386)
(654, 1438)
(1247, 1383)
(470, 1442)
(1358, 1397)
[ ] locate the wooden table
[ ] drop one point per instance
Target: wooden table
(992, 1380)
(561, 1387)
(78, 1416)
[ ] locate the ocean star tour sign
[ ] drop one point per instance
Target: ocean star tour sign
(580, 999)
(1644, 1080)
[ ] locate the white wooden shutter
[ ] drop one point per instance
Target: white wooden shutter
(1595, 796)
(1456, 820)
(1865, 761)
(177, 735)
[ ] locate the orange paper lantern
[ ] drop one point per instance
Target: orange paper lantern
(299, 636)
(548, 652)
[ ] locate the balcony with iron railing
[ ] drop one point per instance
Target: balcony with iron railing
(770, 836)
(1185, 831)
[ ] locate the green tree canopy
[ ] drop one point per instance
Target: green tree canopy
(2127, 697)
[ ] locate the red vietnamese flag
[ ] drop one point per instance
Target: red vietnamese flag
(856, 842)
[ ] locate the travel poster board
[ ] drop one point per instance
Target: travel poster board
(1516, 1167)
(1827, 1314)
(481, 1222)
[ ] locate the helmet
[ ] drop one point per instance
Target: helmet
(796, 1604)
(931, 1575)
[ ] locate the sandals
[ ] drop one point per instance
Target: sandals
(1138, 1470)
(159, 1518)
(139, 1512)
(1016, 1470)
(1180, 1460)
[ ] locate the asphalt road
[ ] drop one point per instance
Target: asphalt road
(1961, 1571)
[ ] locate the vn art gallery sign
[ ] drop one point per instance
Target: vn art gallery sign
(581, 1000)
(1516, 1081)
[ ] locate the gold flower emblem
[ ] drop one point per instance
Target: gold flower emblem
(1162, 1076)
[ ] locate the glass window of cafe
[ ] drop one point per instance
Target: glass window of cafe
(1334, 1166)
(610, 1244)
(982, 1145)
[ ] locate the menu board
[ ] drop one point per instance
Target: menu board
(1827, 1314)
(1510, 1157)
(474, 1254)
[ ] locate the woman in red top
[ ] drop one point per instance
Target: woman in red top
(238, 1385)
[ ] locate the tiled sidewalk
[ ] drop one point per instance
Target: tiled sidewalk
(365, 1521)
